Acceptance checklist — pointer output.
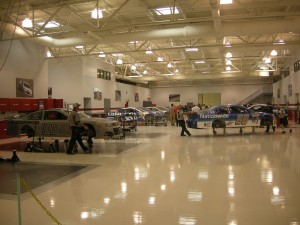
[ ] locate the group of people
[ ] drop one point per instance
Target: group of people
(282, 115)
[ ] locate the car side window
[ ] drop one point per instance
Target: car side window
(222, 111)
(54, 115)
(35, 116)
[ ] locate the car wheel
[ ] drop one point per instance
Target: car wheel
(91, 131)
(28, 131)
(218, 124)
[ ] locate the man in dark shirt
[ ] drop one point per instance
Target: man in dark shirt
(269, 109)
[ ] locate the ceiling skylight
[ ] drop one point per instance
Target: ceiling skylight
(166, 11)
(191, 49)
(94, 14)
(27, 23)
(50, 24)
(224, 2)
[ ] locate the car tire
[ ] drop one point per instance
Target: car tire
(29, 131)
(218, 124)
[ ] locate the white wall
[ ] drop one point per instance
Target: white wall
(230, 94)
(75, 78)
(24, 59)
(282, 86)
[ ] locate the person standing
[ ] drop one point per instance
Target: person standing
(76, 126)
(181, 121)
(196, 109)
(283, 117)
(269, 109)
(172, 114)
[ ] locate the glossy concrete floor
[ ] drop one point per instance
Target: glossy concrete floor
(165, 179)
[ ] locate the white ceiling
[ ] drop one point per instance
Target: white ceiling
(252, 27)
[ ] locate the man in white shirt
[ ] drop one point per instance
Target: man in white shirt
(181, 121)
(76, 126)
(196, 109)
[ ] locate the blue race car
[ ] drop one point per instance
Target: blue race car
(229, 116)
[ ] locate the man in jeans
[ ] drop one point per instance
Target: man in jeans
(181, 122)
(76, 126)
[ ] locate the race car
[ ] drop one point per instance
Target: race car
(55, 123)
(126, 115)
(159, 116)
(229, 116)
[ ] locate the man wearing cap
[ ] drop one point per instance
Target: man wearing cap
(75, 125)
(181, 121)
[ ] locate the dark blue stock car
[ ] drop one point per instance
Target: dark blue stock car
(229, 116)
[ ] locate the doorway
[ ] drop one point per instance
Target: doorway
(87, 105)
(107, 105)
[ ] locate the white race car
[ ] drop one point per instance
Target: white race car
(55, 123)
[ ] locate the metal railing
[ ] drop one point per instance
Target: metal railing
(264, 90)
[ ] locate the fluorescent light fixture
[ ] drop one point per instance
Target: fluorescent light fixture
(27, 23)
(50, 24)
(94, 14)
(267, 60)
(224, 2)
(167, 74)
(117, 54)
(102, 55)
(191, 49)
(227, 44)
(148, 51)
(160, 59)
(273, 53)
(280, 42)
(49, 54)
(200, 62)
(119, 61)
(166, 11)
(133, 67)
(134, 42)
(263, 73)
(228, 62)
(228, 68)
(170, 65)
(79, 46)
(228, 55)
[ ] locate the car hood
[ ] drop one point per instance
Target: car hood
(100, 120)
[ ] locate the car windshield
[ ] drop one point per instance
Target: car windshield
(154, 109)
(83, 115)
(142, 109)
(163, 108)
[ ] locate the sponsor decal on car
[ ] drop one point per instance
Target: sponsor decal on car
(16, 122)
(213, 116)
(207, 124)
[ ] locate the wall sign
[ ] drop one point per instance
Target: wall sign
(118, 95)
(24, 87)
(97, 94)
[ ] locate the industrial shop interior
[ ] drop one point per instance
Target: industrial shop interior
(149, 112)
